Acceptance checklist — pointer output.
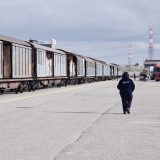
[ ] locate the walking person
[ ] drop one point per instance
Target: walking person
(134, 75)
(126, 87)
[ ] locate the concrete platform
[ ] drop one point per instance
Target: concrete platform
(82, 122)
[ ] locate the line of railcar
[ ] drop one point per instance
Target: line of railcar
(29, 66)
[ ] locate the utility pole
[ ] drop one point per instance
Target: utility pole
(130, 57)
(151, 50)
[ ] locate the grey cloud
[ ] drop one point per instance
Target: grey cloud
(81, 20)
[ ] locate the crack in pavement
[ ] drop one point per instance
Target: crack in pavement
(85, 131)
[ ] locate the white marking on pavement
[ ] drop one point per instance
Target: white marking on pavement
(143, 122)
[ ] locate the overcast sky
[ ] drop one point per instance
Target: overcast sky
(102, 29)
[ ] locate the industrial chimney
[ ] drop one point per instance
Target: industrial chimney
(53, 43)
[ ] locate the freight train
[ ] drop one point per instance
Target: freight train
(29, 66)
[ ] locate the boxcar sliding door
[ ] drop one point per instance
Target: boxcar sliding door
(6, 60)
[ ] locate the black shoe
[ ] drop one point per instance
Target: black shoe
(124, 112)
(128, 111)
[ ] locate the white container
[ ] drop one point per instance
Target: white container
(21, 61)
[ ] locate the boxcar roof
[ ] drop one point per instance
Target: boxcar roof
(71, 53)
(113, 64)
(38, 46)
(99, 61)
(89, 59)
(108, 63)
(14, 40)
(59, 52)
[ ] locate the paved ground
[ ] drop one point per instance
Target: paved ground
(82, 122)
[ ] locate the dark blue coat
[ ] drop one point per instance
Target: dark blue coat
(126, 86)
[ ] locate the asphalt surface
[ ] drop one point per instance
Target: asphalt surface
(83, 122)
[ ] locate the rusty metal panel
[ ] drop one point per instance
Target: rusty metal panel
(1, 59)
(49, 66)
(6, 61)
(14, 40)
(57, 71)
(21, 61)
(80, 66)
(72, 65)
(44, 65)
(60, 65)
(13, 60)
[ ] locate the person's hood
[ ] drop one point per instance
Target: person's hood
(125, 76)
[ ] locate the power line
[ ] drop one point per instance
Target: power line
(123, 54)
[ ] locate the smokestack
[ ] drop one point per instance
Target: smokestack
(53, 43)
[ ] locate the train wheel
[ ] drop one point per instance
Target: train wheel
(30, 86)
(65, 84)
(16, 91)
(21, 88)
(1, 91)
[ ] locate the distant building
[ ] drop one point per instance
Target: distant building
(50, 45)
(149, 64)
(34, 41)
